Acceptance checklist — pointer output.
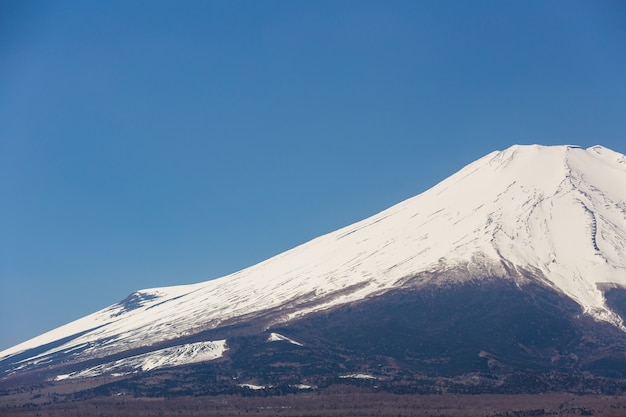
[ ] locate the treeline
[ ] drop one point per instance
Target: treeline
(337, 401)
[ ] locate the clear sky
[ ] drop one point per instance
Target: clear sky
(154, 143)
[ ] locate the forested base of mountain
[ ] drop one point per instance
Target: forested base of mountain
(335, 401)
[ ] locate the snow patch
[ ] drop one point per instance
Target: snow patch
(254, 387)
(163, 358)
(358, 376)
(276, 337)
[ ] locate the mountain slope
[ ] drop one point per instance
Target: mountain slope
(554, 216)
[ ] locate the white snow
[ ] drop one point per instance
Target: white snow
(559, 211)
(276, 337)
(253, 387)
(358, 376)
(162, 358)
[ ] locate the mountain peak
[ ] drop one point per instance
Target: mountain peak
(557, 209)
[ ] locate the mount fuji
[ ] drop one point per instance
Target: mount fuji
(508, 276)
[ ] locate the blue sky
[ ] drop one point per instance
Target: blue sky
(155, 143)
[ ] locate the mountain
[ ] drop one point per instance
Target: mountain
(508, 276)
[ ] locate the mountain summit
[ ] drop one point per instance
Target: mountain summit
(550, 218)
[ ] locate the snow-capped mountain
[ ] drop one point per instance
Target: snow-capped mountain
(553, 216)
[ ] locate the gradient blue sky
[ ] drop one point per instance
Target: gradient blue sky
(155, 143)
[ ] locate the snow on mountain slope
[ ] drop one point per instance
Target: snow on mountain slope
(558, 212)
(162, 358)
(277, 337)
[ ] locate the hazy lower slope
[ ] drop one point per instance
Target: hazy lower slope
(556, 215)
